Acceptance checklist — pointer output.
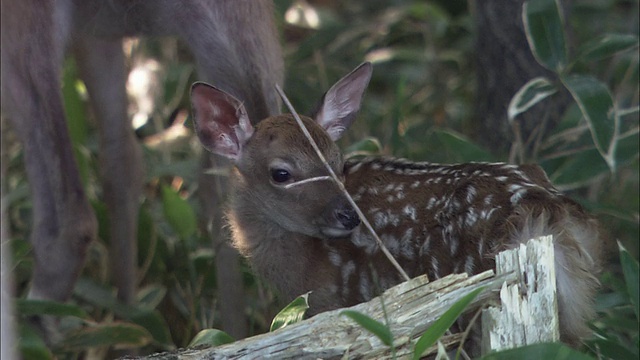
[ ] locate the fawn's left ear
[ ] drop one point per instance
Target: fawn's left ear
(340, 105)
(221, 121)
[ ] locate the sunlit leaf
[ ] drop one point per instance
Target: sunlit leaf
(607, 45)
(211, 337)
(596, 105)
(440, 326)
(292, 313)
(530, 94)
(375, 327)
(545, 33)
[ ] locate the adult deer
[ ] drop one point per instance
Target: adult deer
(235, 46)
(302, 235)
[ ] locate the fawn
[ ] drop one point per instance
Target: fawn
(435, 219)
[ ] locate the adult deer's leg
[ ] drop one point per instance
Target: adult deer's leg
(102, 67)
(33, 36)
(237, 49)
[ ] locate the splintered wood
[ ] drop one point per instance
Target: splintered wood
(529, 311)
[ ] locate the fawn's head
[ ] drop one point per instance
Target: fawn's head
(272, 157)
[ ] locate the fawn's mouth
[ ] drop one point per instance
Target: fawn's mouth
(334, 232)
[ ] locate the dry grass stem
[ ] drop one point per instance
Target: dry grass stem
(341, 185)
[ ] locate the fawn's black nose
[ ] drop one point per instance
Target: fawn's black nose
(348, 217)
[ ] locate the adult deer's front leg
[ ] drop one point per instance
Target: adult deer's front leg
(63, 220)
(102, 67)
(237, 49)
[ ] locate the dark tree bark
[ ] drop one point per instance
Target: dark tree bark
(504, 64)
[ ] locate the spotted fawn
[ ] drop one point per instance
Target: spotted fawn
(435, 219)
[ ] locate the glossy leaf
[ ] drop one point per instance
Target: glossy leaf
(178, 213)
(530, 94)
(596, 104)
(375, 327)
(292, 313)
(440, 326)
(545, 34)
(548, 351)
(211, 337)
(607, 45)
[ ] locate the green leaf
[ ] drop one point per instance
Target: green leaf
(292, 313)
(548, 351)
(375, 327)
(578, 169)
(151, 320)
(630, 270)
(211, 337)
(29, 307)
(102, 335)
(74, 104)
(440, 326)
(151, 296)
(530, 94)
(596, 104)
(545, 34)
(613, 348)
(31, 345)
(178, 213)
(459, 148)
(366, 146)
(607, 45)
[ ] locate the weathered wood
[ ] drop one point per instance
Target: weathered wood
(411, 307)
(529, 310)
(524, 286)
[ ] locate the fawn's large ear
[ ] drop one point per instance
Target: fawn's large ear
(220, 120)
(341, 103)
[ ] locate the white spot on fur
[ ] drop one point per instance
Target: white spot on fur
(471, 193)
(435, 267)
(335, 258)
(469, 265)
(515, 198)
(410, 211)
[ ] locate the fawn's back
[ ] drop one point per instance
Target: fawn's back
(300, 233)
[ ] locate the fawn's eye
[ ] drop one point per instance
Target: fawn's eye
(280, 175)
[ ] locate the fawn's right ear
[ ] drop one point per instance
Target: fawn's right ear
(220, 120)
